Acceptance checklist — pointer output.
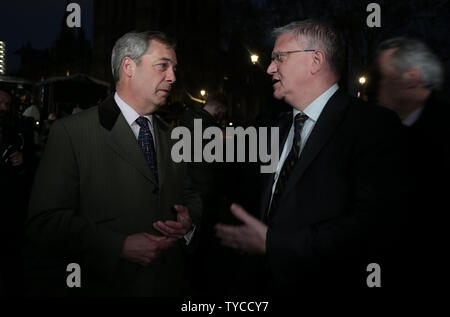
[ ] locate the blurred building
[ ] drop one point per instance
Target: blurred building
(194, 24)
(2, 57)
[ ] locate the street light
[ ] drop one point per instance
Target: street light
(254, 58)
(362, 80)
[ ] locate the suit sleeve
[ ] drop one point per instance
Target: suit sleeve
(54, 222)
(192, 200)
(375, 189)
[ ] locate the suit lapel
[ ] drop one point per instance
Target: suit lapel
(328, 120)
(267, 179)
(121, 138)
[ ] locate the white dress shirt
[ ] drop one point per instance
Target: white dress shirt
(412, 117)
(313, 111)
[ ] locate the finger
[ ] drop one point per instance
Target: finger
(173, 224)
(180, 209)
(158, 227)
(227, 234)
(167, 231)
(227, 229)
(173, 231)
(152, 237)
(242, 215)
(230, 243)
(161, 225)
(166, 244)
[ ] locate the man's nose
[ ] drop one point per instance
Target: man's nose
(170, 75)
(272, 69)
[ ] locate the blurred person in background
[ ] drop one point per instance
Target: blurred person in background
(408, 78)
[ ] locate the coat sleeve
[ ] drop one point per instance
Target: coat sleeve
(54, 222)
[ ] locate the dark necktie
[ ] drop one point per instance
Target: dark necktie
(145, 140)
(288, 164)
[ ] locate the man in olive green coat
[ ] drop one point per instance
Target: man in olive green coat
(107, 194)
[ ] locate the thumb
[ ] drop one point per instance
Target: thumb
(242, 214)
(180, 209)
(153, 237)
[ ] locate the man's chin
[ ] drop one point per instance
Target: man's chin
(277, 95)
(162, 102)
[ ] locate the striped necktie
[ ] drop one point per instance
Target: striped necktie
(288, 164)
(145, 140)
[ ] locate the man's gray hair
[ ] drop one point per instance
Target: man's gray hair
(412, 53)
(134, 45)
(318, 35)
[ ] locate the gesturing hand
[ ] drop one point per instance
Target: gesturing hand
(176, 229)
(249, 237)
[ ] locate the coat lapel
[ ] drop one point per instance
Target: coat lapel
(328, 120)
(121, 139)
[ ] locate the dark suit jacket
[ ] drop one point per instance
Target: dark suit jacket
(428, 176)
(332, 215)
(94, 187)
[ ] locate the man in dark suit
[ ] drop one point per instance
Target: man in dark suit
(107, 194)
(323, 212)
(409, 77)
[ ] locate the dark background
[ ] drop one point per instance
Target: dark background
(214, 41)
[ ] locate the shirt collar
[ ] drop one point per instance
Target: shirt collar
(128, 112)
(314, 109)
(412, 117)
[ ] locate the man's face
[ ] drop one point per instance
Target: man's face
(5, 101)
(153, 77)
(391, 86)
(291, 77)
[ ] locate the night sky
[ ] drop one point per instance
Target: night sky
(37, 22)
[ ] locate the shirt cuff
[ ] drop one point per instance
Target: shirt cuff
(189, 235)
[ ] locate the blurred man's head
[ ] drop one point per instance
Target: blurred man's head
(407, 72)
(306, 60)
(217, 105)
(143, 66)
(5, 102)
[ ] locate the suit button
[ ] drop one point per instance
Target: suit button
(155, 190)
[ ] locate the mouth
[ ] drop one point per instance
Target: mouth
(165, 91)
(275, 81)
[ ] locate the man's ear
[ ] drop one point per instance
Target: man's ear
(128, 67)
(412, 78)
(318, 61)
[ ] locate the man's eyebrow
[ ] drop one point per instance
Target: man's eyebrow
(165, 59)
